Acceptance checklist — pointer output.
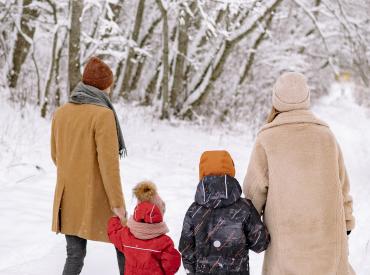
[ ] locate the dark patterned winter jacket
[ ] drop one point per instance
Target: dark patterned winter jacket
(219, 229)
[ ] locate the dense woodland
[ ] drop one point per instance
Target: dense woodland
(189, 59)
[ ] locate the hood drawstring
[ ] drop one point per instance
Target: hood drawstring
(204, 192)
(227, 196)
(151, 214)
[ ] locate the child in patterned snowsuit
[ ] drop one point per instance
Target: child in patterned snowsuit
(220, 227)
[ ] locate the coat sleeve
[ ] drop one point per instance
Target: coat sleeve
(255, 231)
(115, 231)
(170, 258)
(347, 199)
(107, 150)
(187, 243)
(53, 143)
(255, 184)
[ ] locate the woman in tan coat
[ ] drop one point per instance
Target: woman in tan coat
(297, 180)
(86, 141)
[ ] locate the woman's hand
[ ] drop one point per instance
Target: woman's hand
(120, 213)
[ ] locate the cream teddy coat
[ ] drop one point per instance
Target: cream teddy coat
(297, 179)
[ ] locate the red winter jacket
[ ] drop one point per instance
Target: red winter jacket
(157, 256)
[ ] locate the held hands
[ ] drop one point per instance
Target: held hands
(121, 214)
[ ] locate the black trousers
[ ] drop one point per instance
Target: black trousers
(76, 252)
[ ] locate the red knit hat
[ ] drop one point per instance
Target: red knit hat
(146, 212)
(97, 74)
(147, 191)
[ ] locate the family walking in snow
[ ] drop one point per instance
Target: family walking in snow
(296, 202)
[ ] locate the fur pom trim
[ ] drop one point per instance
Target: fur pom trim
(145, 191)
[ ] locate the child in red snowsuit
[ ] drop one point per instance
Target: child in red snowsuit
(147, 248)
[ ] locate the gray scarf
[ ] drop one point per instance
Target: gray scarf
(85, 94)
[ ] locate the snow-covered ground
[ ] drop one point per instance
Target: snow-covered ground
(168, 154)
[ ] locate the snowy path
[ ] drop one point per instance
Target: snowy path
(167, 154)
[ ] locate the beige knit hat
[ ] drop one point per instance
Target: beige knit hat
(291, 92)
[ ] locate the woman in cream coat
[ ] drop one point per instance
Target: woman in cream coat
(298, 181)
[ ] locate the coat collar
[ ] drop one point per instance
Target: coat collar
(294, 117)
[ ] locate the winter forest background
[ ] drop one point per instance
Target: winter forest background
(187, 58)
(190, 75)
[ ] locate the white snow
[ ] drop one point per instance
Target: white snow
(168, 154)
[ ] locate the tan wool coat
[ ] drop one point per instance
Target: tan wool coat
(297, 179)
(84, 148)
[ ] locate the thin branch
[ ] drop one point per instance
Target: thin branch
(323, 38)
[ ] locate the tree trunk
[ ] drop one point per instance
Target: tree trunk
(38, 102)
(129, 64)
(57, 70)
(182, 51)
(151, 88)
(165, 61)
(23, 42)
(74, 73)
(52, 62)
(139, 68)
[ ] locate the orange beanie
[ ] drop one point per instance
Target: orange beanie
(97, 74)
(216, 163)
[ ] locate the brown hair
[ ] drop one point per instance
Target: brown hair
(273, 114)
